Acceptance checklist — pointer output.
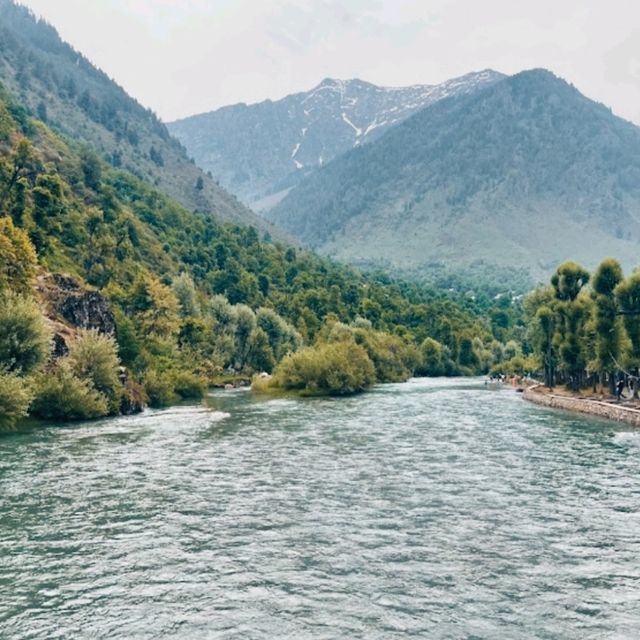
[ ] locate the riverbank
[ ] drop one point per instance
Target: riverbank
(611, 410)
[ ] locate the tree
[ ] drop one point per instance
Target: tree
(59, 395)
(161, 311)
(572, 312)
(568, 280)
(94, 357)
(91, 169)
(546, 321)
(15, 399)
(260, 356)
(25, 342)
(185, 290)
(245, 326)
(628, 296)
(608, 327)
(17, 258)
(23, 162)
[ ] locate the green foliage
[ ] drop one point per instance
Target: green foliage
(628, 297)
(260, 356)
(434, 360)
(60, 395)
(337, 368)
(579, 336)
(568, 280)
(15, 399)
(25, 341)
(393, 359)
(188, 385)
(283, 338)
(159, 388)
(608, 327)
(94, 357)
(17, 258)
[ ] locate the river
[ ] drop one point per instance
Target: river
(431, 509)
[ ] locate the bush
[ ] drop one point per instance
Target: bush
(435, 359)
(60, 395)
(94, 357)
(189, 385)
(326, 369)
(25, 342)
(17, 257)
(15, 398)
(393, 359)
(159, 388)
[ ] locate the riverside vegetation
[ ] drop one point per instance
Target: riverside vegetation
(193, 299)
(584, 329)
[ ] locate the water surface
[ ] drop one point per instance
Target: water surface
(432, 509)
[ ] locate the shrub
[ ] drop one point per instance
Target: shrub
(189, 385)
(94, 357)
(159, 388)
(260, 355)
(393, 359)
(432, 358)
(15, 398)
(326, 369)
(262, 383)
(25, 342)
(17, 257)
(60, 395)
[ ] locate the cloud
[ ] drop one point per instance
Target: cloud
(186, 56)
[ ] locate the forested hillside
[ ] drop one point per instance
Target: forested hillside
(60, 86)
(524, 173)
(182, 298)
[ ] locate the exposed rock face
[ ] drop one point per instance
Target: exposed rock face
(70, 302)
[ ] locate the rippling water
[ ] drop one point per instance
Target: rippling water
(433, 509)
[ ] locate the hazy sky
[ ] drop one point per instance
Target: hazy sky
(181, 57)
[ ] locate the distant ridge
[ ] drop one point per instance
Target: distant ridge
(523, 172)
(264, 149)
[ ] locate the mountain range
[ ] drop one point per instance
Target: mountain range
(525, 171)
(260, 151)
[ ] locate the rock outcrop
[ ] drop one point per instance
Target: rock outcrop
(68, 301)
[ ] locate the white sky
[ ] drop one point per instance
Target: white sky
(181, 57)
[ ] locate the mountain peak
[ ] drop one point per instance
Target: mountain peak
(264, 149)
(525, 171)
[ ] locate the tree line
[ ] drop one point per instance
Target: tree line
(584, 328)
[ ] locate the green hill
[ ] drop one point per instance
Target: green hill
(62, 88)
(185, 298)
(524, 173)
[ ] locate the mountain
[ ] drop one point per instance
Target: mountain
(61, 87)
(525, 172)
(263, 149)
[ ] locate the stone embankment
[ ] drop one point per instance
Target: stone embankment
(599, 408)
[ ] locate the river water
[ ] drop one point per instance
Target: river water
(432, 509)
